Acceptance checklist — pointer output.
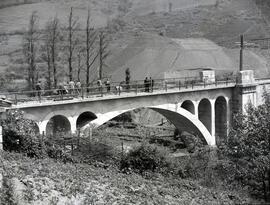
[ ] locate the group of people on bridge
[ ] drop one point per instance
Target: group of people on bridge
(148, 84)
(75, 87)
(70, 87)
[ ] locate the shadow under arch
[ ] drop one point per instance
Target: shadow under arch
(189, 106)
(84, 119)
(58, 124)
(221, 117)
(205, 113)
(181, 118)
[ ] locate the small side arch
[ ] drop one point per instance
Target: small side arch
(221, 117)
(189, 106)
(58, 124)
(85, 118)
(205, 113)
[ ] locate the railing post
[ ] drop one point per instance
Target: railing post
(204, 83)
(179, 84)
(82, 94)
(166, 87)
(16, 99)
(136, 87)
(39, 96)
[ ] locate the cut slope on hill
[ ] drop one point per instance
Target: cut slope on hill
(152, 55)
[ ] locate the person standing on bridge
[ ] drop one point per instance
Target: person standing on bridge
(108, 85)
(127, 78)
(151, 81)
(145, 84)
(78, 87)
(38, 89)
(99, 84)
(71, 87)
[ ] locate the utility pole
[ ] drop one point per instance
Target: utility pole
(241, 52)
(100, 54)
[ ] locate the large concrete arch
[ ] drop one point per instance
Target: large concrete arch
(181, 118)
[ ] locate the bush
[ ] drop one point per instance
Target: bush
(145, 158)
(247, 147)
(19, 135)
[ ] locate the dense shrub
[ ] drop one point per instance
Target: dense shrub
(19, 135)
(247, 147)
(145, 158)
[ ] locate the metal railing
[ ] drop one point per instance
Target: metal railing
(115, 88)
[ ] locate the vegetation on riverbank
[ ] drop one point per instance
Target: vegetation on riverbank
(98, 172)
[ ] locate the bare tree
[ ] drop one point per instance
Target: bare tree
(103, 53)
(52, 38)
(30, 47)
(72, 40)
(91, 37)
(79, 66)
(47, 58)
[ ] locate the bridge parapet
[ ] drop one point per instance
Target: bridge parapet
(118, 90)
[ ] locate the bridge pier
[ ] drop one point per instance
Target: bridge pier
(229, 109)
(196, 110)
(213, 122)
(73, 124)
(42, 126)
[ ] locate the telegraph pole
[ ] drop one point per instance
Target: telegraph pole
(100, 54)
(241, 52)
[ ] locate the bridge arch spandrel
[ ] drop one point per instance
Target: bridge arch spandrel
(181, 118)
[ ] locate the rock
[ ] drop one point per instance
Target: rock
(18, 191)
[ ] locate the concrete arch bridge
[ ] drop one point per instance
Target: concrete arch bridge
(204, 111)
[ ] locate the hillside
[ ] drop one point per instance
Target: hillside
(221, 21)
(152, 55)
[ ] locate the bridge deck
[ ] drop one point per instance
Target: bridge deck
(83, 96)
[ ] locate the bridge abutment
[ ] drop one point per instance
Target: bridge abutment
(245, 91)
(73, 124)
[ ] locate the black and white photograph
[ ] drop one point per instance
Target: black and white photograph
(144, 102)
